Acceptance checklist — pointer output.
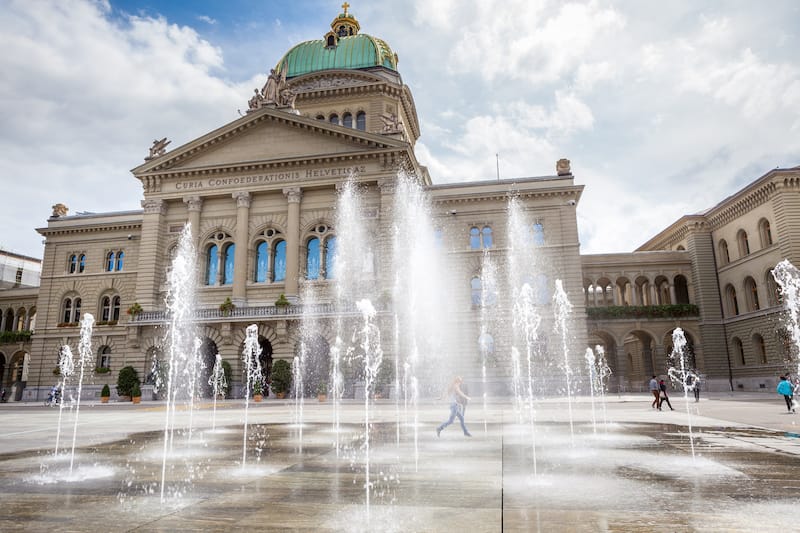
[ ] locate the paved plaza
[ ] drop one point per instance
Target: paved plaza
(617, 466)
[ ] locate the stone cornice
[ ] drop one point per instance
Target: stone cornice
(462, 196)
(741, 204)
(69, 229)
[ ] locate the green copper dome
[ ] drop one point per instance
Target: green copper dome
(349, 52)
(342, 48)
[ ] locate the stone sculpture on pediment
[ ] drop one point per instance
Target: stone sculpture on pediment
(563, 167)
(391, 124)
(60, 210)
(158, 149)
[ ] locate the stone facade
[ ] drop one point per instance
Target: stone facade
(274, 175)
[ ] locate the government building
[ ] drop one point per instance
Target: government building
(260, 196)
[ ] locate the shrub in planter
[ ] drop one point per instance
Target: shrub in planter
(136, 393)
(128, 377)
(281, 377)
(105, 394)
(282, 301)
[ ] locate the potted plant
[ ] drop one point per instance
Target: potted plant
(226, 307)
(258, 391)
(105, 394)
(281, 378)
(136, 393)
(126, 379)
(322, 391)
(282, 301)
(134, 309)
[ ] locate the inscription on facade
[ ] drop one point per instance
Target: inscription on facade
(214, 183)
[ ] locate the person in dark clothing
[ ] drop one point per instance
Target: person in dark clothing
(664, 396)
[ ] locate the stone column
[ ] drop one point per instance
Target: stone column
(150, 267)
(653, 296)
(672, 297)
(194, 205)
(293, 197)
(615, 290)
(240, 254)
(594, 293)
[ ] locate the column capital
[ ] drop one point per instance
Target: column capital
(195, 203)
(242, 198)
(154, 206)
(293, 194)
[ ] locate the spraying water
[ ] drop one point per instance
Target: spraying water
(788, 278)
(66, 365)
(488, 300)
(370, 346)
(680, 374)
(590, 363)
(84, 354)
(180, 338)
(219, 385)
(252, 372)
(603, 372)
(562, 310)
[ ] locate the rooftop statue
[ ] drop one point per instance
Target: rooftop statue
(159, 148)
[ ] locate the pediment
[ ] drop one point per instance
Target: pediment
(264, 136)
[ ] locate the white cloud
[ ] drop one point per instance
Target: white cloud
(83, 96)
(206, 19)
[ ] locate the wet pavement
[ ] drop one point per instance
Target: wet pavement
(625, 467)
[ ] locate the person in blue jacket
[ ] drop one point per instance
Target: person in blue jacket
(785, 388)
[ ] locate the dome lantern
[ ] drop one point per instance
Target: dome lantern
(345, 24)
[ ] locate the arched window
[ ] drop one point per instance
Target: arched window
(262, 262)
(105, 309)
(212, 264)
(110, 261)
(760, 349)
(347, 120)
(765, 233)
(681, 289)
(538, 234)
(82, 263)
(120, 260)
(361, 121)
(320, 117)
(334, 119)
(73, 264)
(312, 258)
(724, 255)
(477, 290)
(331, 41)
(279, 263)
(330, 257)
(104, 357)
(227, 278)
(9, 324)
(738, 351)
(71, 310)
(486, 236)
(474, 238)
(744, 244)
(733, 303)
(115, 306)
(751, 290)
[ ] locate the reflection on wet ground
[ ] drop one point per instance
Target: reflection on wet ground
(625, 476)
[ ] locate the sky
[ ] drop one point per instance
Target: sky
(663, 108)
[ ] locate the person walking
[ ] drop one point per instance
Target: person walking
(785, 388)
(457, 400)
(656, 392)
(665, 398)
(693, 384)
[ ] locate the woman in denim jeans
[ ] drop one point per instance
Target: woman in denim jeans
(456, 397)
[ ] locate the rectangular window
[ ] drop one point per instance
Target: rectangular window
(18, 278)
